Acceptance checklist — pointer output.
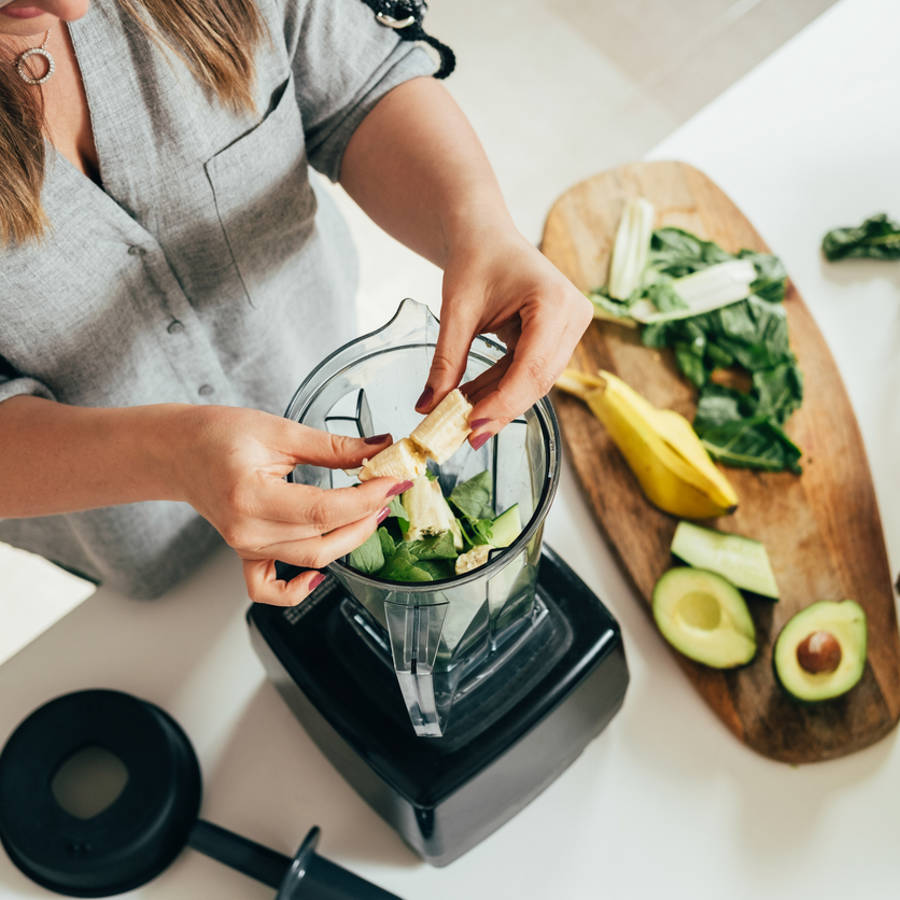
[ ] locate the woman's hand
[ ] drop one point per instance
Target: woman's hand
(231, 470)
(495, 281)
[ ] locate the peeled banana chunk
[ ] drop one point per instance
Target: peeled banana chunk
(438, 436)
(442, 432)
(402, 460)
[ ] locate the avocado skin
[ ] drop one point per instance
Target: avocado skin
(813, 618)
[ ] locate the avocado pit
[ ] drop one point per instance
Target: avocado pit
(819, 652)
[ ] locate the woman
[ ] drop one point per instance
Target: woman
(169, 273)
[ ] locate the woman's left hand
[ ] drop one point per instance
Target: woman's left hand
(497, 282)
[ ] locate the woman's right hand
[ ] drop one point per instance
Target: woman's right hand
(231, 470)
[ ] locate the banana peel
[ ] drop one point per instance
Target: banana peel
(660, 446)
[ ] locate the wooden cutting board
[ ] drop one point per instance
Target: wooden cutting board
(821, 529)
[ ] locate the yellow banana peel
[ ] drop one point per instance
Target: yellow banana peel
(660, 446)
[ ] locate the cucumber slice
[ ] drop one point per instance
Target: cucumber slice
(743, 561)
(506, 527)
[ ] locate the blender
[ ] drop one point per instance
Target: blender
(447, 704)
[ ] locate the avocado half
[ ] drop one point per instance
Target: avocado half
(703, 616)
(821, 651)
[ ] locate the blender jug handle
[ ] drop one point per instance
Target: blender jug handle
(414, 630)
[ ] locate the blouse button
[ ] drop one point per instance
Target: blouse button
(135, 250)
(175, 327)
(205, 390)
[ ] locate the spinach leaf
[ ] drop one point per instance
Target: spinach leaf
(691, 363)
(438, 546)
(676, 252)
(368, 557)
(877, 238)
(663, 295)
(735, 432)
(403, 566)
(474, 498)
(718, 404)
(386, 539)
(778, 391)
(606, 307)
(754, 443)
(437, 568)
(771, 275)
(398, 512)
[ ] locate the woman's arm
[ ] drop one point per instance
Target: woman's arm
(228, 463)
(418, 170)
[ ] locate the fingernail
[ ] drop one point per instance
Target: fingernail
(480, 440)
(376, 438)
(475, 424)
(383, 515)
(316, 580)
(425, 399)
(399, 488)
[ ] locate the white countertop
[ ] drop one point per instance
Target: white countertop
(665, 803)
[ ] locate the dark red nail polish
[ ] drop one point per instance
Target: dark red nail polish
(383, 515)
(425, 399)
(399, 488)
(478, 423)
(480, 440)
(315, 581)
(376, 438)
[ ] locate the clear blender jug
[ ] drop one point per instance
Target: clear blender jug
(444, 639)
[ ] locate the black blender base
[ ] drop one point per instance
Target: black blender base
(445, 795)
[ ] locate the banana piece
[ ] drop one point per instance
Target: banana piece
(441, 433)
(438, 436)
(475, 557)
(428, 512)
(660, 446)
(403, 460)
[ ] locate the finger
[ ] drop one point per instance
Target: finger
(478, 388)
(263, 585)
(321, 448)
(318, 510)
(459, 322)
(317, 552)
(540, 355)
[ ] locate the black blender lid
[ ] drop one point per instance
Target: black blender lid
(133, 839)
(151, 820)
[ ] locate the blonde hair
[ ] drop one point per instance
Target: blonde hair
(215, 38)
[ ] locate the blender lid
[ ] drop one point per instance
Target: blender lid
(149, 822)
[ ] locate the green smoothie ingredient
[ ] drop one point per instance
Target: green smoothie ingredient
(715, 310)
(743, 561)
(427, 536)
(877, 238)
(704, 617)
(821, 651)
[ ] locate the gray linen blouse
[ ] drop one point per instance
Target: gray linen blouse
(208, 268)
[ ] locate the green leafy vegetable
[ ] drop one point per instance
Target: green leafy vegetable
(877, 238)
(429, 557)
(438, 546)
(437, 568)
(473, 497)
(734, 430)
(368, 557)
(778, 391)
(714, 311)
(403, 566)
(398, 512)
(388, 544)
